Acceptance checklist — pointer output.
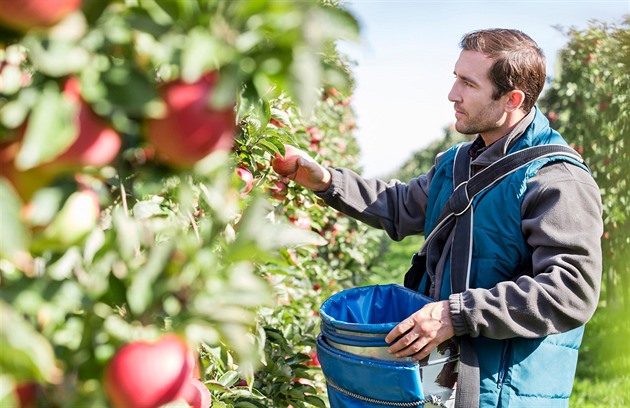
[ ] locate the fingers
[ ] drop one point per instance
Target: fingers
(400, 329)
(420, 333)
(414, 345)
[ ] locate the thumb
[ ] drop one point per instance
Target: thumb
(304, 162)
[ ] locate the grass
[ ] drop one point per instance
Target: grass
(395, 261)
(603, 372)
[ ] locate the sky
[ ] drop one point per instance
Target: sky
(404, 62)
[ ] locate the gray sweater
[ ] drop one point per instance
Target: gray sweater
(561, 219)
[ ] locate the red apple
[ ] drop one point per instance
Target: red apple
(331, 92)
(304, 381)
(26, 394)
(302, 221)
(552, 116)
(316, 135)
(279, 190)
(287, 164)
(25, 14)
(196, 394)
(275, 122)
(245, 175)
(191, 129)
(148, 375)
(96, 144)
(314, 361)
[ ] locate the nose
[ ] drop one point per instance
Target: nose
(453, 95)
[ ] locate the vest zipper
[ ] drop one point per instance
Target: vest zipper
(504, 363)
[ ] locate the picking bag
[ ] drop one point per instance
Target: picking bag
(353, 353)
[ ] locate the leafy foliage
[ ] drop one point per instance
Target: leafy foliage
(148, 247)
(589, 103)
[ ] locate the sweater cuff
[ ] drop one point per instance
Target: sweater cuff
(335, 183)
(456, 305)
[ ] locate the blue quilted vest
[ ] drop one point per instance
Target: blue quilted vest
(516, 372)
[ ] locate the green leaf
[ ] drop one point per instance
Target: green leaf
(316, 401)
(46, 203)
(140, 292)
(251, 105)
(50, 130)
(129, 89)
(248, 404)
(24, 353)
(226, 90)
(10, 77)
(271, 147)
(15, 237)
(149, 208)
(334, 23)
(229, 378)
(178, 9)
(56, 58)
(306, 70)
(216, 386)
(158, 10)
(127, 233)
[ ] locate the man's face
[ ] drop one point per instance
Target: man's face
(471, 94)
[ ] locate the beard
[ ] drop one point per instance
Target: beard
(487, 119)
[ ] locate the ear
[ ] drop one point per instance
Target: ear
(515, 100)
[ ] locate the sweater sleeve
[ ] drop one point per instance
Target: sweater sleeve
(393, 206)
(562, 222)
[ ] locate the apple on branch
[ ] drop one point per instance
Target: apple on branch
(196, 394)
(247, 178)
(150, 374)
(287, 164)
(23, 15)
(191, 127)
(96, 143)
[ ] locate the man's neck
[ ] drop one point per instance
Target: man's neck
(512, 119)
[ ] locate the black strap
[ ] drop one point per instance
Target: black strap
(461, 249)
(468, 380)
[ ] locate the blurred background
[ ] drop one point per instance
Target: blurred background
(405, 59)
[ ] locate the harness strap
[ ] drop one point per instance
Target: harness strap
(468, 380)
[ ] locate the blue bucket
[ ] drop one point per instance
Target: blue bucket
(372, 310)
(353, 353)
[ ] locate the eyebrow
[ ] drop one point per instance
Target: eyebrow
(466, 79)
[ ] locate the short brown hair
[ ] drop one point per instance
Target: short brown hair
(518, 61)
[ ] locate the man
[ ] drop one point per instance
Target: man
(535, 267)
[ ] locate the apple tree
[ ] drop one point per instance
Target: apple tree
(138, 204)
(589, 103)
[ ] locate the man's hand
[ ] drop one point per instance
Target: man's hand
(298, 166)
(420, 333)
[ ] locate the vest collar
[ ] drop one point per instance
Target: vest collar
(498, 149)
